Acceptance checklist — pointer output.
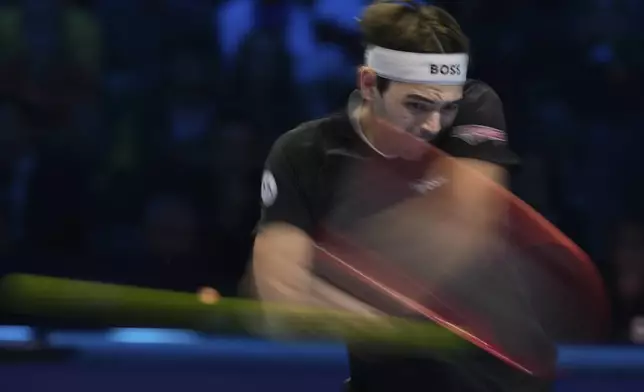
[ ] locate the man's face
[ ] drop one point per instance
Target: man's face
(419, 109)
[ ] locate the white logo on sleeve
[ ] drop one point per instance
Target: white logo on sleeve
(424, 186)
(476, 134)
(269, 188)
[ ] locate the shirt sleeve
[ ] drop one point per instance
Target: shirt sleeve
(479, 130)
(283, 198)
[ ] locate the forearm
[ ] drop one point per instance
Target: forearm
(474, 210)
(281, 273)
(450, 226)
(282, 258)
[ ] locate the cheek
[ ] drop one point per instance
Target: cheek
(398, 116)
(405, 119)
(397, 121)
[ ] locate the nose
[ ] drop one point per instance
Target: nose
(433, 122)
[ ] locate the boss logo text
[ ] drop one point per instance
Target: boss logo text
(444, 69)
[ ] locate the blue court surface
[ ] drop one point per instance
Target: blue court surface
(145, 360)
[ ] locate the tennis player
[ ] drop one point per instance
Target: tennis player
(415, 80)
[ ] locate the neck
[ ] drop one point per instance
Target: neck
(368, 128)
(366, 122)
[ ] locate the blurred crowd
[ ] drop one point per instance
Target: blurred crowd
(133, 132)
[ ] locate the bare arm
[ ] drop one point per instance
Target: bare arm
(480, 209)
(283, 252)
(281, 271)
(282, 258)
(479, 143)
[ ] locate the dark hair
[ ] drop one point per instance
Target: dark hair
(408, 26)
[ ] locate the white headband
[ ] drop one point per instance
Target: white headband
(428, 68)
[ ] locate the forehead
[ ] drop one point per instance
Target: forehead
(434, 92)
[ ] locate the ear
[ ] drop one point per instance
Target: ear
(367, 83)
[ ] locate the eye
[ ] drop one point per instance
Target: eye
(451, 107)
(418, 106)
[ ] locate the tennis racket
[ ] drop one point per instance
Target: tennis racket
(391, 242)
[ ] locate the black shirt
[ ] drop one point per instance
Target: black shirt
(303, 164)
(302, 186)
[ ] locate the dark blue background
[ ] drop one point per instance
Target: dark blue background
(133, 135)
